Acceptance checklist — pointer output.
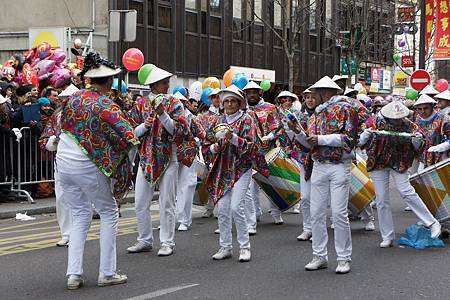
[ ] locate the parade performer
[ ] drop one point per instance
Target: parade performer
(187, 177)
(233, 146)
(92, 151)
(444, 102)
(299, 150)
(391, 150)
(166, 141)
(332, 134)
(435, 127)
(269, 129)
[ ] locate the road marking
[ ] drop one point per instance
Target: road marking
(159, 293)
(28, 224)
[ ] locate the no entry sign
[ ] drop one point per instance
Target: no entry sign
(420, 79)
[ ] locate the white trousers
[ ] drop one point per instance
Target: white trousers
(255, 192)
(231, 206)
(142, 201)
(187, 181)
(305, 203)
(367, 214)
(63, 214)
(80, 191)
(250, 211)
(328, 177)
(380, 180)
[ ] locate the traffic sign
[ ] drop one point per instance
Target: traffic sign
(420, 79)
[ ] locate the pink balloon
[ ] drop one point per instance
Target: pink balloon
(58, 56)
(441, 85)
(133, 59)
(44, 67)
(60, 78)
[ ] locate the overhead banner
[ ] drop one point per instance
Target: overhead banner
(429, 19)
(442, 33)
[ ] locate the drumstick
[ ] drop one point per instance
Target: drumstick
(291, 117)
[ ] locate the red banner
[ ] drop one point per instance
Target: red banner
(442, 35)
(407, 61)
(429, 19)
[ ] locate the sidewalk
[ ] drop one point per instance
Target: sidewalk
(43, 206)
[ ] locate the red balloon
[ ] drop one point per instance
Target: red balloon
(441, 85)
(27, 73)
(133, 59)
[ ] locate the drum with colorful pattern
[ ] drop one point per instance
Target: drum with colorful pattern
(201, 195)
(283, 185)
(433, 186)
(362, 190)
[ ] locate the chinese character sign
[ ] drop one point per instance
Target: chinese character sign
(429, 19)
(442, 43)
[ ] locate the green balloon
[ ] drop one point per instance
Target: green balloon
(144, 72)
(265, 85)
(396, 56)
(412, 94)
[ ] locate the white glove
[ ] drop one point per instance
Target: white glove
(443, 147)
(221, 134)
(214, 148)
(268, 138)
(365, 137)
(417, 140)
(17, 133)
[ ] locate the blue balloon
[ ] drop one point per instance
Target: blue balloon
(115, 85)
(240, 80)
(181, 89)
(205, 94)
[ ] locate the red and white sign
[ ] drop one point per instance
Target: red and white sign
(375, 74)
(420, 79)
(407, 61)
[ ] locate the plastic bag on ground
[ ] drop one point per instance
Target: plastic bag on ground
(419, 237)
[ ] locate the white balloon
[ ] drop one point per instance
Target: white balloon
(195, 90)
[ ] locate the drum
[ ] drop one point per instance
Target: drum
(283, 185)
(221, 127)
(433, 186)
(201, 195)
(362, 190)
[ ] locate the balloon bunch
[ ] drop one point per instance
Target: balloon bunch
(231, 76)
(40, 66)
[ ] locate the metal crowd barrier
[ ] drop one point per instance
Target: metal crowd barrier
(30, 165)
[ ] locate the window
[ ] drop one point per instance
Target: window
(216, 24)
(312, 15)
(237, 30)
(191, 4)
(151, 13)
(214, 5)
(259, 34)
(139, 7)
(277, 15)
(237, 9)
(191, 21)
(277, 41)
(165, 17)
(313, 43)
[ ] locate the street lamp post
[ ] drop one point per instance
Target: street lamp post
(422, 34)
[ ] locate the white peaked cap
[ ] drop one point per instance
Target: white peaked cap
(68, 91)
(339, 77)
(102, 71)
(395, 110)
(307, 91)
(232, 90)
(179, 96)
(287, 94)
(429, 90)
(349, 91)
(325, 83)
(252, 85)
(424, 99)
(214, 92)
(157, 74)
(445, 95)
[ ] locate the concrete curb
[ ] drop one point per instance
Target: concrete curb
(52, 208)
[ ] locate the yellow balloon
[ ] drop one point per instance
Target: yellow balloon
(211, 82)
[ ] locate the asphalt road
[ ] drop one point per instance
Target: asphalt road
(32, 268)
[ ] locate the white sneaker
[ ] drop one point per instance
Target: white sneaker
(165, 250)
(435, 230)
(252, 231)
(296, 211)
(408, 208)
(369, 225)
(74, 282)
(387, 244)
(317, 263)
(278, 220)
(183, 227)
(245, 255)
(304, 236)
(208, 214)
(223, 254)
(332, 226)
(343, 267)
(62, 243)
(112, 280)
(217, 231)
(140, 247)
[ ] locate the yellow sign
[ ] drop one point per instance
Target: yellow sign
(400, 78)
(46, 36)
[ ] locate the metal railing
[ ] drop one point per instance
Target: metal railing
(25, 164)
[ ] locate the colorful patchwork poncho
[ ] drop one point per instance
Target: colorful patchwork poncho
(156, 144)
(98, 126)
